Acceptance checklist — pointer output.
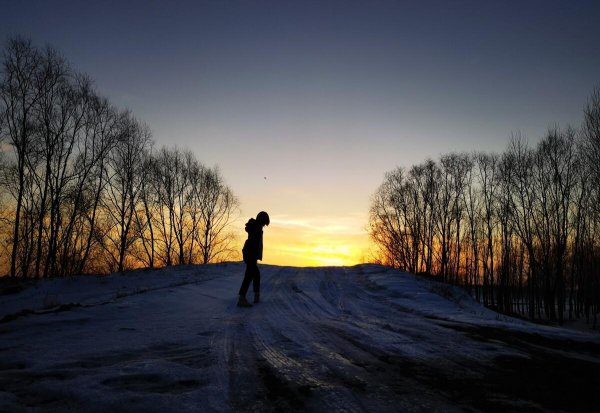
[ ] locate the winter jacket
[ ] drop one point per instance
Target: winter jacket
(253, 247)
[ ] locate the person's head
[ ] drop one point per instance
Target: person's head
(263, 218)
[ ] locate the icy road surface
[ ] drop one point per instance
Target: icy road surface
(356, 339)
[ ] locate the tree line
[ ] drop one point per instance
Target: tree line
(519, 230)
(82, 188)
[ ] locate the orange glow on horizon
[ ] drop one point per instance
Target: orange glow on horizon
(323, 241)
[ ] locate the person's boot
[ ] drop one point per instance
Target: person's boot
(256, 298)
(242, 302)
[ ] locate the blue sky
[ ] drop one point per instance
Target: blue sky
(322, 98)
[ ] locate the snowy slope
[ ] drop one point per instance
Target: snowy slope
(364, 338)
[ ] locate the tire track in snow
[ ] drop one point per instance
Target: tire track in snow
(296, 342)
(307, 346)
(349, 343)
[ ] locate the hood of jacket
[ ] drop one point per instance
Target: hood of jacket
(252, 225)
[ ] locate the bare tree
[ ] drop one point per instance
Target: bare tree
(99, 136)
(591, 133)
(487, 169)
(83, 187)
(559, 166)
(504, 209)
(523, 225)
(589, 263)
(125, 163)
(60, 113)
(472, 203)
(218, 207)
(402, 217)
(428, 184)
(181, 170)
(458, 166)
(191, 211)
(19, 95)
(524, 201)
(386, 220)
(165, 188)
(145, 219)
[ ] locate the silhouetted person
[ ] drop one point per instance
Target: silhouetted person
(252, 252)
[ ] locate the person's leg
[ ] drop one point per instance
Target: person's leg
(256, 284)
(248, 276)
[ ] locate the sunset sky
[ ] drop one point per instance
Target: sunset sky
(305, 105)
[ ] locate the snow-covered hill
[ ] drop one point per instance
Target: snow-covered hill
(364, 338)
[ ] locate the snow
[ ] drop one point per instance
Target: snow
(364, 338)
